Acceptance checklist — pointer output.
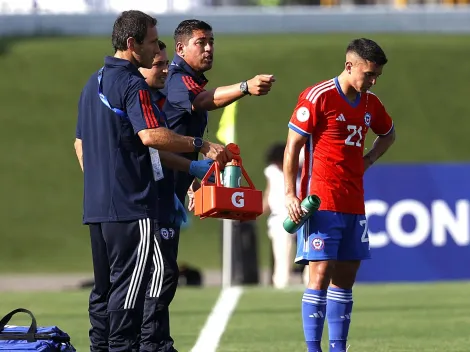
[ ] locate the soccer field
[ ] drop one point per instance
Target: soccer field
(386, 318)
(424, 87)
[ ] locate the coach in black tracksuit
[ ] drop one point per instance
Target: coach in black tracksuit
(162, 288)
(117, 123)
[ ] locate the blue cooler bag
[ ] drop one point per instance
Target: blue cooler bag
(32, 338)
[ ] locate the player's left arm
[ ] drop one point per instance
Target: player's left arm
(382, 125)
(379, 148)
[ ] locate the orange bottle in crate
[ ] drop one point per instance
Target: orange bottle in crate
(226, 198)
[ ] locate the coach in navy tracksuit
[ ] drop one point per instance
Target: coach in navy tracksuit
(163, 289)
(187, 101)
(165, 273)
(117, 123)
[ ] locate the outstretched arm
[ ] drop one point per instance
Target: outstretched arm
(222, 96)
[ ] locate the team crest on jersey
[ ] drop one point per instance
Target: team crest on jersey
(367, 118)
(164, 233)
(318, 244)
(303, 114)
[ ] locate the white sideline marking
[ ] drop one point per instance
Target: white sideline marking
(210, 335)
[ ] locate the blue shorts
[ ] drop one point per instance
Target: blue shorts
(328, 235)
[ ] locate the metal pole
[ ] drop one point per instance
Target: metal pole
(227, 229)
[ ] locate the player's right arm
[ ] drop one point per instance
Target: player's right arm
(295, 142)
(301, 127)
(141, 113)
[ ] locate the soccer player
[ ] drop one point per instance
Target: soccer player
(187, 101)
(117, 123)
(332, 119)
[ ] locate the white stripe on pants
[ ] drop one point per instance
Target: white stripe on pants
(140, 265)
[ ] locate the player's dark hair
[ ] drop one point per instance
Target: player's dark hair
(185, 30)
(131, 24)
(368, 50)
(275, 154)
(161, 45)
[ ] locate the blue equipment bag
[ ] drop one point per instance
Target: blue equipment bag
(32, 338)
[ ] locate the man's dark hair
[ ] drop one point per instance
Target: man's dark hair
(185, 30)
(368, 50)
(131, 24)
(275, 154)
(161, 45)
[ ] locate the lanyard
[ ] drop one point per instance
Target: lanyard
(117, 111)
(103, 98)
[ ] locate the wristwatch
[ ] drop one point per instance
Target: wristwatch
(198, 143)
(244, 88)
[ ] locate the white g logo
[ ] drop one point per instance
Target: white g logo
(238, 199)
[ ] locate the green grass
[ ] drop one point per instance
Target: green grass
(424, 88)
(386, 318)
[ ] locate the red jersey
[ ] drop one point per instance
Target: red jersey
(336, 129)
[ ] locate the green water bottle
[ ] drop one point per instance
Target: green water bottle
(232, 175)
(308, 205)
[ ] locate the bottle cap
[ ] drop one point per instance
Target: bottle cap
(314, 200)
(233, 148)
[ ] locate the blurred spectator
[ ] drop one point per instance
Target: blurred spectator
(273, 203)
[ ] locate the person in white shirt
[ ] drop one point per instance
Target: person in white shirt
(273, 203)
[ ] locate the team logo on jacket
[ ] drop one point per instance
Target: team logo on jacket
(367, 118)
(318, 244)
(303, 114)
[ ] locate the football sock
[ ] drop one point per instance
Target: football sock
(313, 318)
(338, 313)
